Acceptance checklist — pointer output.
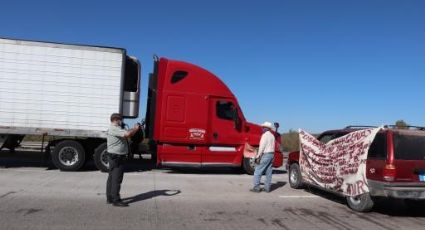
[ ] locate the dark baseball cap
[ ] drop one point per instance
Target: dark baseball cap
(116, 116)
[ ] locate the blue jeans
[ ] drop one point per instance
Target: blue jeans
(265, 166)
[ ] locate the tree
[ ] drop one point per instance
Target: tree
(401, 124)
(290, 141)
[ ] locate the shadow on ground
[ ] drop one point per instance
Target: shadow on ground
(22, 159)
(384, 206)
(150, 195)
(277, 185)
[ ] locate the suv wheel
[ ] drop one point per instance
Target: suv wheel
(360, 203)
(295, 178)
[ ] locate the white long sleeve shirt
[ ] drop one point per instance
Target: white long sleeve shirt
(266, 144)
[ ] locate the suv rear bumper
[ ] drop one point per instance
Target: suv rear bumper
(397, 190)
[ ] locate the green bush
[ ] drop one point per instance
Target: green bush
(290, 141)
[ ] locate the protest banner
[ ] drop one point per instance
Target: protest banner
(340, 164)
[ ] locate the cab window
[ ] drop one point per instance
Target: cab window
(178, 76)
(225, 110)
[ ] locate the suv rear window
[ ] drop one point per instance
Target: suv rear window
(409, 147)
(378, 148)
(325, 138)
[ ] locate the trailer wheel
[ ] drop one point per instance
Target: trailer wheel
(295, 178)
(249, 165)
(101, 158)
(360, 203)
(68, 155)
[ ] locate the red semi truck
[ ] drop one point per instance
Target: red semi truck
(68, 91)
(195, 120)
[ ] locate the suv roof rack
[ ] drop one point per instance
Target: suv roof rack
(386, 126)
(360, 126)
(407, 127)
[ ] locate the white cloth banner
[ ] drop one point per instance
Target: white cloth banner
(340, 164)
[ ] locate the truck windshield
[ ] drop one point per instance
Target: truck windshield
(409, 147)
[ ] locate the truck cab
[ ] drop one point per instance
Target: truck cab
(195, 120)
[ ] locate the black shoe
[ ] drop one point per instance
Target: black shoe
(256, 190)
(120, 204)
(109, 201)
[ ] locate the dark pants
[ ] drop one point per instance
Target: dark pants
(116, 174)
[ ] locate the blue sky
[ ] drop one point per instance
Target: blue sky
(314, 65)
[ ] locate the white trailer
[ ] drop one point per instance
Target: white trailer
(66, 91)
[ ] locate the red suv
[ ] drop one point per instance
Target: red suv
(395, 166)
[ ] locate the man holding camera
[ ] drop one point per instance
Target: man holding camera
(117, 148)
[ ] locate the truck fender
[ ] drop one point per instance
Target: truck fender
(293, 157)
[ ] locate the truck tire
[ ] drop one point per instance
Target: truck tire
(360, 203)
(100, 158)
(295, 177)
(68, 155)
(248, 165)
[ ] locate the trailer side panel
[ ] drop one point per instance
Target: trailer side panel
(56, 86)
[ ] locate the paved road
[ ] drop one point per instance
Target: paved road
(32, 197)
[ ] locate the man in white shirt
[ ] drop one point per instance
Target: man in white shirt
(264, 158)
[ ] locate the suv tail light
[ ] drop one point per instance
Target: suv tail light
(389, 172)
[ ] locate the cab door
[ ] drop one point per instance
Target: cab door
(225, 136)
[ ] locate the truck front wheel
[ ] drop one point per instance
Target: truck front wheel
(100, 158)
(68, 155)
(249, 165)
(295, 178)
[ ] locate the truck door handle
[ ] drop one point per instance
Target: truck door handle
(215, 135)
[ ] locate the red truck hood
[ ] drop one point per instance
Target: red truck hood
(253, 132)
(253, 137)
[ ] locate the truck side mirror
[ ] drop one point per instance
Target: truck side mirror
(276, 125)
